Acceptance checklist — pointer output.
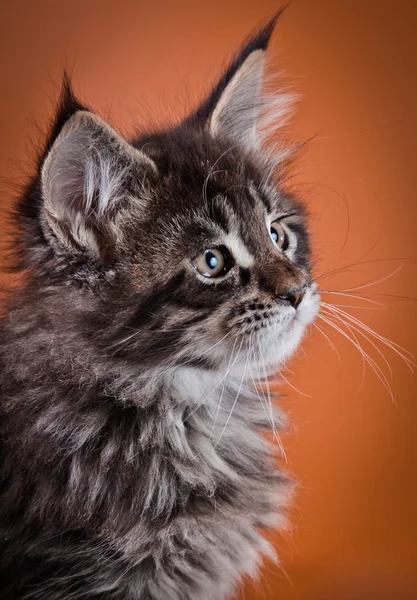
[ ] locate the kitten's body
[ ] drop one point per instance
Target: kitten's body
(133, 461)
(131, 476)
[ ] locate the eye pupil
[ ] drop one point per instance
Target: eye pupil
(211, 260)
(278, 235)
(274, 234)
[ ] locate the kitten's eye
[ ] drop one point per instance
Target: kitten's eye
(211, 263)
(278, 235)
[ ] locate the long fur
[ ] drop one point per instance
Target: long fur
(133, 461)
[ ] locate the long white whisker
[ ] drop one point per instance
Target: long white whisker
(365, 356)
(402, 352)
(137, 332)
(292, 386)
(224, 378)
(270, 406)
(366, 285)
(359, 262)
(351, 327)
(354, 342)
(332, 346)
(356, 307)
(229, 367)
(234, 403)
(205, 396)
(355, 296)
(263, 402)
(173, 368)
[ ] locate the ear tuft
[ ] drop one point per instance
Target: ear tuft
(67, 106)
(236, 108)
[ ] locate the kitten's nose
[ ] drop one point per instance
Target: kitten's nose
(294, 297)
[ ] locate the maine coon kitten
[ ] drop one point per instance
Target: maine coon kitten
(164, 275)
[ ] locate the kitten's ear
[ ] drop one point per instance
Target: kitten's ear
(234, 106)
(87, 175)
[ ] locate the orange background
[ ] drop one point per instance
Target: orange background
(352, 449)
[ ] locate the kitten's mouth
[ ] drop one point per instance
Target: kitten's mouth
(272, 339)
(258, 317)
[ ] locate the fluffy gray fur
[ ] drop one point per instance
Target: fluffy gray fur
(134, 464)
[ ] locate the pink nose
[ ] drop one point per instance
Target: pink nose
(294, 297)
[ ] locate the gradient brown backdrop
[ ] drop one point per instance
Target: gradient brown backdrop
(353, 450)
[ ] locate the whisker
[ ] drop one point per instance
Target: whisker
(234, 403)
(283, 453)
(173, 368)
(360, 331)
(263, 402)
(395, 296)
(292, 386)
(332, 346)
(402, 352)
(211, 173)
(229, 367)
(365, 356)
(359, 262)
(366, 285)
(205, 396)
(355, 343)
(137, 332)
(367, 297)
(356, 307)
(356, 296)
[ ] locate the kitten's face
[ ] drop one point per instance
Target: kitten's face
(206, 260)
(220, 261)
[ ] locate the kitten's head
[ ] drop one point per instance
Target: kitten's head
(180, 240)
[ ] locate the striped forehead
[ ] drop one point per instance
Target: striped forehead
(232, 215)
(238, 249)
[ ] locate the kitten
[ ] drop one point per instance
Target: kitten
(164, 277)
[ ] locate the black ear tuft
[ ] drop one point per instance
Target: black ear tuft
(258, 41)
(68, 105)
(28, 209)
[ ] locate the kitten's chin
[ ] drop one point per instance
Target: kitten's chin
(276, 347)
(278, 344)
